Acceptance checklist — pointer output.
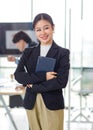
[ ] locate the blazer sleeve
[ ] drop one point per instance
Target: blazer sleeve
(22, 76)
(62, 76)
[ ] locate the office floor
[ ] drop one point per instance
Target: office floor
(20, 118)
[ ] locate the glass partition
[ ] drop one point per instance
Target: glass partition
(6, 68)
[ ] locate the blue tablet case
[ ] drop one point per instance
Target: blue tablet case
(45, 64)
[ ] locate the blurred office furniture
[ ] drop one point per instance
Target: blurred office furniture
(15, 101)
(8, 88)
(83, 86)
(7, 85)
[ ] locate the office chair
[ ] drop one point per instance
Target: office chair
(85, 89)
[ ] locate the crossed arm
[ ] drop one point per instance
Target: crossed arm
(49, 75)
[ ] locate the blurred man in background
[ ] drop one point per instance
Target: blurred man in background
(22, 41)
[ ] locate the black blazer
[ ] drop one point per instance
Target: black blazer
(50, 90)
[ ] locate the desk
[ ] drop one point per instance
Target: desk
(8, 88)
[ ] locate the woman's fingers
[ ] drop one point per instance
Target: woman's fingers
(29, 85)
(51, 75)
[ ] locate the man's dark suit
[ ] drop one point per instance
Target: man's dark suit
(50, 90)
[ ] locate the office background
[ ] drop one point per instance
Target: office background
(74, 30)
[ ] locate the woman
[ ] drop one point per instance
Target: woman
(44, 100)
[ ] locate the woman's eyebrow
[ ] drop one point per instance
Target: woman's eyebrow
(42, 27)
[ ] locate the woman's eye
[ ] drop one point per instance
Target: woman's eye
(37, 30)
(46, 28)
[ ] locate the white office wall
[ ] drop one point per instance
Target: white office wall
(15, 10)
(25, 10)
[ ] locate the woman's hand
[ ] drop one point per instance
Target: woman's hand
(51, 75)
(29, 85)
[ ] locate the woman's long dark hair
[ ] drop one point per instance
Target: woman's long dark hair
(43, 16)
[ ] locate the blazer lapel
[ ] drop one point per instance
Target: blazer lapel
(53, 50)
(37, 50)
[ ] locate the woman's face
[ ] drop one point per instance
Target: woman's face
(44, 32)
